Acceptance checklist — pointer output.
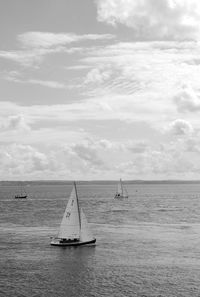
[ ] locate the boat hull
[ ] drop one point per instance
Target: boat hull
(120, 196)
(56, 242)
(21, 197)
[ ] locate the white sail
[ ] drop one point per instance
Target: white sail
(85, 234)
(70, 224)
(21, 193)
(121, 191)
(120, 188)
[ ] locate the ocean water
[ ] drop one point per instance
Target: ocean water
(147, 245)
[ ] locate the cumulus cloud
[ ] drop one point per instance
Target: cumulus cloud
(180, 128)
(94, 159)
(39, 161)
(29, 162)
(153, 19)
(97, 75)
(22, 160)
(187, 100)
(15, 123)
(192, 145)
(138, 147)
(159, 164)
(87, 153)
(91, 154)
(106, 144)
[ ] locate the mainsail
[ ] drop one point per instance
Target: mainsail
(120, 188)
(70, 224)
(121, 191)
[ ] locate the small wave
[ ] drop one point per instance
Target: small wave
(167, 209)
(119, 210)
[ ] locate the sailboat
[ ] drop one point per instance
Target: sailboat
(22, 193)
(121, 191)
(74, 229)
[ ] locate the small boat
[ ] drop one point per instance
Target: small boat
(74, 229)
(22, 193)
(121, 191)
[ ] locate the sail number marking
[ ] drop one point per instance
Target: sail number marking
(68, 214)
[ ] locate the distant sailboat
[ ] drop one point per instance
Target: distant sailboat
(121, 191)
(22, 193)
(74, 229)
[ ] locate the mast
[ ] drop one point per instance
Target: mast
(121, 186)
(79, 214)
(23, 192)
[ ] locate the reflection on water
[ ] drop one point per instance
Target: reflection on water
(147, 245)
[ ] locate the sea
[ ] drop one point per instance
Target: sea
(147, 245)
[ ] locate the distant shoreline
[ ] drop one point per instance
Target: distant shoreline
(97, 182)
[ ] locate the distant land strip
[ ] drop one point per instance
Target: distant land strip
(96, 182)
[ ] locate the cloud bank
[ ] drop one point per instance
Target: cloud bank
(34, 46)
(153, 19)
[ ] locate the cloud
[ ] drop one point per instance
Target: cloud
(142, 68)
(26, 58)
(15, 123)
(17, 78)
(107, 145)
(49, 84)
(187, 100)
(138, 147)
(40, 161)
(96, 75)
(159, 164)
(180, 128)
(92, 159)
(193, 144)
(110, 106)
(46, 40)
(21, 160)
(152, 19)
(88, 154)
(34, 46)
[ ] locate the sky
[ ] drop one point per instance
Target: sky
(99, 89)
